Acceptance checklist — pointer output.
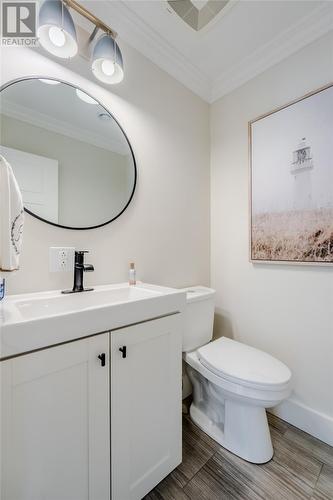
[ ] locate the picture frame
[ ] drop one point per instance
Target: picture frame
(291, 182)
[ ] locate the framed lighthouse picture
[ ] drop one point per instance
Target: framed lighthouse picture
(291, 182)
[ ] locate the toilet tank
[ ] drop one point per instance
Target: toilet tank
(199, 317)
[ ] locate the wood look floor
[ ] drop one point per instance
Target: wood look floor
(302, 468)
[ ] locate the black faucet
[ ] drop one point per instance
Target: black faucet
(79, 268)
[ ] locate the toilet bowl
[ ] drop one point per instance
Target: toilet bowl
(233, 383)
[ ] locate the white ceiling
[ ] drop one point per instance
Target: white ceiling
(245, 38)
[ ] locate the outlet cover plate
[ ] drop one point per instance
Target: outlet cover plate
(61, 259)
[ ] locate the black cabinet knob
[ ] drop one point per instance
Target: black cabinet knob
(102, 358)
(123, 351)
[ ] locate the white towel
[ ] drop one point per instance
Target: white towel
(11, 218)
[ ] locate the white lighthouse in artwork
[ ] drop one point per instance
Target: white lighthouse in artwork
(301, 169)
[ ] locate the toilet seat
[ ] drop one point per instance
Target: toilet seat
(244, 365)
(236, 389)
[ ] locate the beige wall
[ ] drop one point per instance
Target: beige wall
(285, 310)
(165, 230)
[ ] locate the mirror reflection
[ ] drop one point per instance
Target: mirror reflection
(72, 160)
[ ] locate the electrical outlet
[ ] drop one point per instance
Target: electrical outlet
(61, 259)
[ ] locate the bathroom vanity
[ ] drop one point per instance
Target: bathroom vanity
(90, 392)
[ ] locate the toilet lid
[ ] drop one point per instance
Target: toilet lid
(243, 364)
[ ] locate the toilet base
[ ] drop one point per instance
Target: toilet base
(234, 422)
(245, 432)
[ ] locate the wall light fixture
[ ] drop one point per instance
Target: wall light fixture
(57, 35)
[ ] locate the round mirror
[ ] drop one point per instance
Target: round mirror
(73, 162)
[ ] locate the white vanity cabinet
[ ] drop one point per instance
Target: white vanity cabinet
(55, 411)
(145, 405)
(55, 432)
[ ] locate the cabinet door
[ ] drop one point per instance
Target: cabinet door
(55, 440)
(145, 406)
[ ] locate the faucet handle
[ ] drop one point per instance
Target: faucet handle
(88, 268)
(79, 255)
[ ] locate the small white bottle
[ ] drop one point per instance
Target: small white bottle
(132, 274)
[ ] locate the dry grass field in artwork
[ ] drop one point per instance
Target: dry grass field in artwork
(305, 236)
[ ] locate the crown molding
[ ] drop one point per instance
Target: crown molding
(31, 117)
(136, 33)
(308, 29)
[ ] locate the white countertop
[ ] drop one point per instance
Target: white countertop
(37, 320)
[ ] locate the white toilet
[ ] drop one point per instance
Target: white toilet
(232, 383)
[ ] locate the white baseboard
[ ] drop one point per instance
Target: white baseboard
(309, 420)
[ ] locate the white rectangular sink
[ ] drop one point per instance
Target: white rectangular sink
(37, 320)
(36, 307)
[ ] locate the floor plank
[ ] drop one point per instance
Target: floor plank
(230, 477)
(315, 448)
(168, 489)
(198, 448)
(295, 460)
(218, 480)
(324, 487)
(277, 424)
(270, 480)
(301, 469)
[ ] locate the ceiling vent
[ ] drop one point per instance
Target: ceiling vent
(197, 13)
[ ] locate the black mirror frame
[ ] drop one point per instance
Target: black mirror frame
(16, 80)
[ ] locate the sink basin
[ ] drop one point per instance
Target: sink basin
(60, 304)
(37, 320)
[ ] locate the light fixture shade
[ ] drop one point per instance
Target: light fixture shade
(107, 61)
(56, 31)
